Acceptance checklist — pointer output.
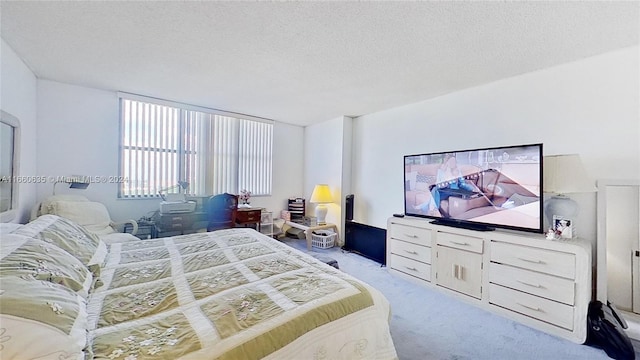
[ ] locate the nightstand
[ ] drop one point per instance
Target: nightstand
(249, 216)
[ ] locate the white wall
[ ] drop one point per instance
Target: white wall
(78, 133)
(347, 157)
(18, 98)
(589, 107)
(324, 158)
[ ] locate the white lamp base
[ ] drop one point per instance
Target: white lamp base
(321, 213)
(560, 205)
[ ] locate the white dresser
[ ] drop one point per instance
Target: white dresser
(545, 284)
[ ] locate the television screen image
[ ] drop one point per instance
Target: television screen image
(491, 187)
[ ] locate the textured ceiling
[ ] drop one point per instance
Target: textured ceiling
(306, 62)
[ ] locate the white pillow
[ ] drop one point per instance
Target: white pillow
(46, 205)
(25, 256)
(93, 216)
(41, 320)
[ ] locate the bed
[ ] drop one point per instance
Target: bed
(227, 294)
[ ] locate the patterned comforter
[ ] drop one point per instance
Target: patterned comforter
(231, 294)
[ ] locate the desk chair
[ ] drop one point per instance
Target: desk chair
(221, 211)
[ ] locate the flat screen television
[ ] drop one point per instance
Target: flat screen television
(481, 189)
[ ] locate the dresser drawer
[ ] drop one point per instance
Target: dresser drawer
(461, 242)
(411, 234)
(547, 286)
(411, 267)
(545, 261)
(536, 307)
(249, 215)
(175, 221)
(411, 250)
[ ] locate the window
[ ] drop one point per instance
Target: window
(165, 143)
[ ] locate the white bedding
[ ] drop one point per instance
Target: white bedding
(228, 294)
(287, 289)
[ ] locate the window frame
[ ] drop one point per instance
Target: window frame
(183, 110)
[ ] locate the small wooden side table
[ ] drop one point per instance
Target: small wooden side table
(309, 229)
(249, 216)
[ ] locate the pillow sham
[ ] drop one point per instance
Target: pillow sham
(44, 207)
(92, 215)
(70, 237)
(28, 257)
(41, 320)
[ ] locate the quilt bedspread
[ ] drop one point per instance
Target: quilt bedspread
(231, 294)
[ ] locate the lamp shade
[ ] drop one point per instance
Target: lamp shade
(565, 174)
(321, 194)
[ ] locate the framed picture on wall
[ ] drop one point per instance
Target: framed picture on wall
(563, 226)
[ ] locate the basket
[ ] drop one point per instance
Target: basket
(324, 241)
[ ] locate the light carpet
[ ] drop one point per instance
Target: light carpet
(429, 324)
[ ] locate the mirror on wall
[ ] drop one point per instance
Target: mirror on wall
(618, 257)
(9, 154)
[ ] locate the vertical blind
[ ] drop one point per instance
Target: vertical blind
(255, 157)
(164, 143)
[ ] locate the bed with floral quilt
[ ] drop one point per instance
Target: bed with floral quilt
(227, 294)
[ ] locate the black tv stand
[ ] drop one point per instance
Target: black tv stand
(366, 240)
(463, 225)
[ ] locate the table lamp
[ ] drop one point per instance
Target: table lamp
(564, 174)
(321, 195)
(181, 185)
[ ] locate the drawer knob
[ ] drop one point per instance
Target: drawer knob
(411, 236)
(411, 268)
(529, 307)
(411, 252)
(531, 260)
(529, 284)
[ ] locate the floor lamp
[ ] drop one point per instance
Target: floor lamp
(564, 174)
(321, 195)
